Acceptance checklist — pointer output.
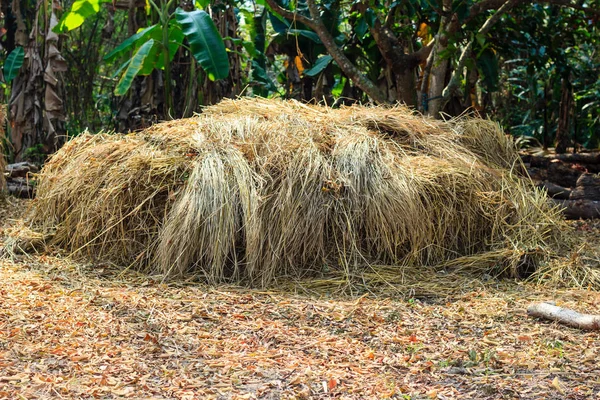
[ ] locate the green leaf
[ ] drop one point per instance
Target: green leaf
(202, 4)
(133, 69)
(13, 64)
(121, 68)
(319, 66)
(79, 12)
(370, 17)
(151, 60)
(480, 39)
(489, 70)
(306, 33)
(361, 27)
(175, 40)
(131, 42)
(278, 23)
(206, 44)
(283, 27)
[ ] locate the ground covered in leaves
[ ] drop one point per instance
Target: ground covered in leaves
(73, 330)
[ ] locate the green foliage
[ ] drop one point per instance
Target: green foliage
(152, 46)
(13, 64)
(256, 28)
(205, 42)
(319, 66)
(541, 46)
(489, 69)
(79, 12)
(132, 42)
(513, 73)
(141, 63)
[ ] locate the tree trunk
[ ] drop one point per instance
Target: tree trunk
(437, 78)
(566, 103)
(36, 105)
(406, 89)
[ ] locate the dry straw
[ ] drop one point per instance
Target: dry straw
(254, 190)
(2, 159)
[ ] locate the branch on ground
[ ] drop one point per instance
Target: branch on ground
(564, 316)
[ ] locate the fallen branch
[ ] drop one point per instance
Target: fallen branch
(564, 316)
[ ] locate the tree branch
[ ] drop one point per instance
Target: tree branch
(485, 5)
(569, 4)
(290, 15)
(347, 67)
(485, 28)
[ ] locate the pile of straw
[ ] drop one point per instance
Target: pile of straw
(2, 159)
(253, 190)
(2, 168)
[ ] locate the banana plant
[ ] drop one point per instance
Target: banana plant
(13, 64)
(155, 46)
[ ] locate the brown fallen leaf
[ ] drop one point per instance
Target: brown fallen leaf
(556, 384)
(331, 384)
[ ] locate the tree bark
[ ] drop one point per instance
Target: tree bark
(400, 66)
(563, 174)
(448, 26)
(588, 188)
(36, 106)
(555, 191)
(566, 102)
(579, 209)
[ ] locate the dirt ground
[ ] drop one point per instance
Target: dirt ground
(77, 330)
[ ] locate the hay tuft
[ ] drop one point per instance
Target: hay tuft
(255, 190)
(2, 156)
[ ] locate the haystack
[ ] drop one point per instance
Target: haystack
(254, 190)
(2, 168)
(2, 159)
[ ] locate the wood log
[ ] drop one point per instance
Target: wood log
(588, 188)
(591, 168)
(20, 187)
(539, 161)
(562, 174)
(564, 316)
(555, 191)
(525, 157)
(579, 209)
(538, 174)
(20, 170)
(582, 158)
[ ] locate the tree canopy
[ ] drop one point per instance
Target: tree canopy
(123, 65)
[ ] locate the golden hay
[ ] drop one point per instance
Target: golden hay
(2, 168)
(253, 190)
(2, 159)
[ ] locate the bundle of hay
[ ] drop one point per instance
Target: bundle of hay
(256, 189)
(2, 159)
(2, 168)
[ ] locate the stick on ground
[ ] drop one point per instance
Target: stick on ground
(564, 316)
